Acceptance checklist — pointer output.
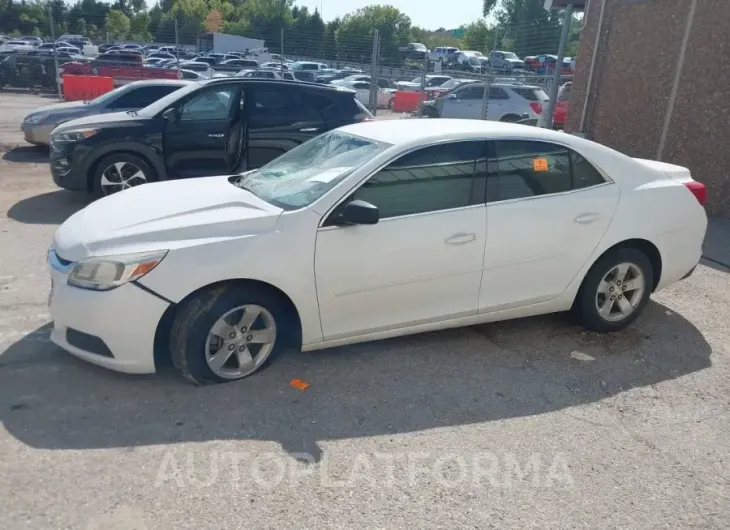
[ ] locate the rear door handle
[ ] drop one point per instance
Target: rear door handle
(309, 129)
(460, 239)
(586, 218)
(216, 135)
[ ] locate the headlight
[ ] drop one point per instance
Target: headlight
(73, 136)
(109, 272)
(35, 119)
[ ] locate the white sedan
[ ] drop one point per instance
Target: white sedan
(373, 230)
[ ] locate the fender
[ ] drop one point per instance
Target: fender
(151, 151)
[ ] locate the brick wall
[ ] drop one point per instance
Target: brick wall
(636, 63)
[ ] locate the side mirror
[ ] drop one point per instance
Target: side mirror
(171, 114)
(358, 213)
(451, 96)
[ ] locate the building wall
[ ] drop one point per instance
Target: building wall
(639, 52)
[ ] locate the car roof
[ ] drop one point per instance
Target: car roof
(425, 130)
(228, 79)
(158, 82)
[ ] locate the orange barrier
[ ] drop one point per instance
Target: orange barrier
(407, 101)
(84, 87)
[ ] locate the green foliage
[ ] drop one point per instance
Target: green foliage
(117, 24)
(522, 26)
(478, 37)
(355, 34)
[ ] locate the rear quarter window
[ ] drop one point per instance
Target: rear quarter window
(530, 94)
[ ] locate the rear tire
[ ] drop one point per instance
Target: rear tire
(626, 274)
(247, 324)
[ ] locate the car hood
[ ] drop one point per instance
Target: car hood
(63, 111)
(111, 118)
(164, 216)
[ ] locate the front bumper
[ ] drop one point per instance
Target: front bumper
(114, 329)
(37, 134)
(67, 171)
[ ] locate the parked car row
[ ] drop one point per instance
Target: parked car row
(450, 57)
(68, 44)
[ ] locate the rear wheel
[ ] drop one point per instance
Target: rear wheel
(120, 171)
(615, 291)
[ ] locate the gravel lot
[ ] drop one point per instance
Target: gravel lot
(524, 424)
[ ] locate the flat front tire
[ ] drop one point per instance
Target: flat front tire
(226, 333)
(615, 291)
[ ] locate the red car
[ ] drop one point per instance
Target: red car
(123, 67)
(531, 62)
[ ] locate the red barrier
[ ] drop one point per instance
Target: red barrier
(407, 101)
(85, 87)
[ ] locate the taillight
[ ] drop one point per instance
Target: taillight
(699, 190)
(537, 107)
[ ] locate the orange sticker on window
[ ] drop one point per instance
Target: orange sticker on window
(539, 164)
(299, 384)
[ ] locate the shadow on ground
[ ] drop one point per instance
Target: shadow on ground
(48, 208)
(486, 373)
(27, 154)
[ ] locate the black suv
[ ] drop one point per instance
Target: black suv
(214, 127)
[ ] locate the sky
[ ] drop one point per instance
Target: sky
(430, 15)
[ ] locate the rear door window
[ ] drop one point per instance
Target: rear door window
(276, 105)
(524, 168)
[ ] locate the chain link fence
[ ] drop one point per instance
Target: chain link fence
(123, 48)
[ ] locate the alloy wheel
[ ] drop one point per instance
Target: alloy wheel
(240, 341)
(121, 176)
(620, 292)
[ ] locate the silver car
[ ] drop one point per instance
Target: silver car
(38, 125)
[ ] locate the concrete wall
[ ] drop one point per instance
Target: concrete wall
(634, 104)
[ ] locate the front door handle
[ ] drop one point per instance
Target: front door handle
(586, 218)
(309, 129)
(460, 239)
(216, 135)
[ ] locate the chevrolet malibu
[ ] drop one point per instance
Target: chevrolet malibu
(370, 231)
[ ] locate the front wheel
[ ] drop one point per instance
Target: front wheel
(120, 171)
(227, 333)
(615, 290)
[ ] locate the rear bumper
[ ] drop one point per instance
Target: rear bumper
(680, 251)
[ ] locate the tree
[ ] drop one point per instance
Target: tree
(81, 26)
(139, 27)
(527, 25)
(117, 24)
(315, 30)
(478, 37)
(329, 41)
(214, 21)
(355, 35)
